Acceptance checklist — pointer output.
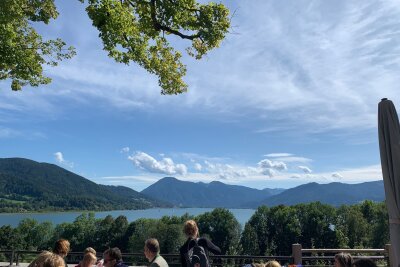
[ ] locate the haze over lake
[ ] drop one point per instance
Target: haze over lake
(242, 215)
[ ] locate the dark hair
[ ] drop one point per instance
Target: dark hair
(114, 253)
(344, 259)
(152, 245)
(364, 263)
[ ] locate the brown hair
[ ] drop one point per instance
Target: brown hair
(152, 245)
(190, 229)
(344, 259)
(47, 259)
(114, 253)
(61, 247)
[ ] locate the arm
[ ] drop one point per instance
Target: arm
(212, 247)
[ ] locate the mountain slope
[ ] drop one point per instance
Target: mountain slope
(333, 193)
(29, 185)
(214, 194)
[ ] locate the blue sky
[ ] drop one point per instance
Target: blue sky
(289, 98)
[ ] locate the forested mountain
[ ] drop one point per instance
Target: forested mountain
(211, 195)
(30, 185)
(217, 194)
(333, 193)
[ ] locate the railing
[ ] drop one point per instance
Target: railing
(300, 256)
(326, 257)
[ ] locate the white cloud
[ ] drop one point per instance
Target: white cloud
(337, 175)
(150, 164)
(278, 155)
(305, 169)
(60, 159)
(197, 166)
(276, 165)
(125, 150)
(294, 159)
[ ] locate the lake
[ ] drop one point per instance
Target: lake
(242, 215)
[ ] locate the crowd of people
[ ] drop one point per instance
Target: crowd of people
(193, 253)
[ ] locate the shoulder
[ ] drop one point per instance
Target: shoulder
(203, 241)
(160, 262)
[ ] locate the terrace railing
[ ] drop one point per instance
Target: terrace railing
(299, 257)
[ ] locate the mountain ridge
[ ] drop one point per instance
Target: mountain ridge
(217, 194)
(29, 185)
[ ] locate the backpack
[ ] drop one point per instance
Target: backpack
(196, 254)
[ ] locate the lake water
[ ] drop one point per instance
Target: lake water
(242, 215)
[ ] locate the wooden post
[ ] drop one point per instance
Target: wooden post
(389, 253)
(296, 254)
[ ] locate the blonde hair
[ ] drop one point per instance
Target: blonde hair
(88, 260)
(190, 229)
(272, 264)
(89, 250)
(47, 259)
(61, 247)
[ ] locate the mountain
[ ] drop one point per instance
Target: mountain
(333, 193)
(211, 195)
(29, 185)
(217, 194)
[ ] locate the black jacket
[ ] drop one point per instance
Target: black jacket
(204, 242)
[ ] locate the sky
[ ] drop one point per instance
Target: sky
(290, 97)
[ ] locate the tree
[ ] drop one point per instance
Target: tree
(23, 52)
(222, 228)
(131, 31)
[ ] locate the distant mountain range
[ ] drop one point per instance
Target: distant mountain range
(214, 194)
(217, 194)
(29, 185)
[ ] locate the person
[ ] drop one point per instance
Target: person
(152, 253)
(272, 264)
(89, 255)
(192, 233)
(61, 248)
(113, 258)
(47, 259)
(365, 262)
(89, 259)
(343, 260)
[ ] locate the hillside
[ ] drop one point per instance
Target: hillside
(212, 195)
(29, 185)
(333, 193)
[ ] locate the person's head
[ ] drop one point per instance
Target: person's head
(272, 264)
(111, 257)
(89, 250)
(88, 260)
(151, 248)
(47, 259)
(364, 263)
(190, 229)
(61, 247)
(343, 260)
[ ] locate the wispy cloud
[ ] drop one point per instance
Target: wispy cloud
(278, 155)
(60, 159)
(305, 169)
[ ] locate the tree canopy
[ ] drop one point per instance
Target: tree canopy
(131, 30)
